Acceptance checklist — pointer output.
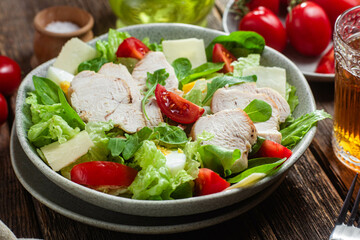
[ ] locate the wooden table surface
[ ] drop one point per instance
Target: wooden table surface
(303, 207)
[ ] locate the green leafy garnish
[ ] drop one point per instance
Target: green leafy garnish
(222, 81)
(107, 49)
(92, 65)
(170, 135)
(153, 46)
(258, 110)
(293, 133)
(153, 79)
(261, 166)
(240, 44)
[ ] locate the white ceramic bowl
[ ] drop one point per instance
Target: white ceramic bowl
(188, 206)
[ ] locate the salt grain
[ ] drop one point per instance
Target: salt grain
(61, 27)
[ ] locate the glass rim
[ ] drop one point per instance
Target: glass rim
(337, 30)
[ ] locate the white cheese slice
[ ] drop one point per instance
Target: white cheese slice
(190, 48)
(72, 54)
(249, 180)
(60, 155)
(58, 75)
(272, 77)
(175, 161)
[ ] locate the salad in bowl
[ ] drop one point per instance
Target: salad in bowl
(165, 120)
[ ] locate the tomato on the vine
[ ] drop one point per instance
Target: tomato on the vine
(177, 108)
(268, 25)
(132, 47)
(3, 109)
(272, 5)
(10, 76)
(221, 54)
(334, 8)
(308, 28)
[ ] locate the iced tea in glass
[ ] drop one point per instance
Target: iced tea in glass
(346, 137)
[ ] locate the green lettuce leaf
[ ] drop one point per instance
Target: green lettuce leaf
(107, 49)
(154, 181)
(252, 60)
(293, 133)
(92, 65)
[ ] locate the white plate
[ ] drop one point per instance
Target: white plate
(72, 207)
(306, 64)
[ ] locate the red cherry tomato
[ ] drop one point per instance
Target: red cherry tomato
(177, 108)
(308, 29)
(132, 47)
(273, 149)
(10, 76)
(327, 63)
(101, 173)
(272, 5)
(209, 182)
(268, 25)
(334, 8)
(3, 109)
(221, 54)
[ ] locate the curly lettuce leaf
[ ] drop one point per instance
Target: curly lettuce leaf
(107, 49)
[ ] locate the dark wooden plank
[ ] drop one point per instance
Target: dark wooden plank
(340, 176)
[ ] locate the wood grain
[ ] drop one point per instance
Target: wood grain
(303, 207)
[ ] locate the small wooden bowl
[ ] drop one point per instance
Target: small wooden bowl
(47, 45)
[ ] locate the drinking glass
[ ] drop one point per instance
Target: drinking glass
(346, 136)
(130, 12)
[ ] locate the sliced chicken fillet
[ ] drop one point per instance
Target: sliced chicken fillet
(99, 97)
(281, 102)
(234, 98)
(232, 129)
(120, 71)
(151, 62)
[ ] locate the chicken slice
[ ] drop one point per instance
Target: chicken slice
(151, 107)
(151, 62)
(99, 97)
(281, 102)
(232, 129)
(120, 71)
(234, 98)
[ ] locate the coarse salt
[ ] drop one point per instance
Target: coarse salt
(61, 27)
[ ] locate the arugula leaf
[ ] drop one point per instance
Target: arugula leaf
(240, 44)
(222, 81)
(153, 46)
(182, 68)
(92, 65)
(258, 110)
(170, 135)
(158, 77)
(70, 115)
(293, 133)
(259, 167)
(46, 89)
(201, 71)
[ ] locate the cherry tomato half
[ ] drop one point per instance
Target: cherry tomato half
(132, 47)
(177, 108)
(10, 76)
(308, 29)
(3, 109)
(273, 149)
(264, 22)
(209, 182)
(327, 63)
(102, 173)
(221, 54)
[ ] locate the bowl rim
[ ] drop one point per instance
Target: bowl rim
(153, 204)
